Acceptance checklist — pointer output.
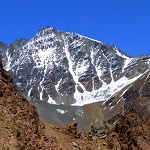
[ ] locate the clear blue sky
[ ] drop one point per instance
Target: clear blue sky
(123, 23)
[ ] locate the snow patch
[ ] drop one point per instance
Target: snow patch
(147, 77)
(79, 113)
(7, 67)
(118, 101)
(104, 108)
(112, 107)
(115, 122)
(89, 38)
(126, 62)
(61, 111)
(51, 101)
(57, 86)
(104, 93)
(124, 92)
(29, 92)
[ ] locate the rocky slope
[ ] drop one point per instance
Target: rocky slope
(101, 115)
(134, 96)
(67, 68)
(21, 129)
(63, 74)
(132, 132)
(75, 78)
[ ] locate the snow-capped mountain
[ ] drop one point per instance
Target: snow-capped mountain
(67, 68)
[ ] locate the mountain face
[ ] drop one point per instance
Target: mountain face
(101, 115)
(66, 68)
(134, 96)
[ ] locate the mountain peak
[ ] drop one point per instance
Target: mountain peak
(19, 40)
(2, 45)
(46, 28)
(68, 68)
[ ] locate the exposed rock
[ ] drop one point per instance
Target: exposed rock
(104, 136)
(74, 144)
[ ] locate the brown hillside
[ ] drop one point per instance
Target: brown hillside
(21, 129)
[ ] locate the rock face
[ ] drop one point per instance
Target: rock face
(138, 96)
(67, 68)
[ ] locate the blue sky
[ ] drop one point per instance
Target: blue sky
(123, 23)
